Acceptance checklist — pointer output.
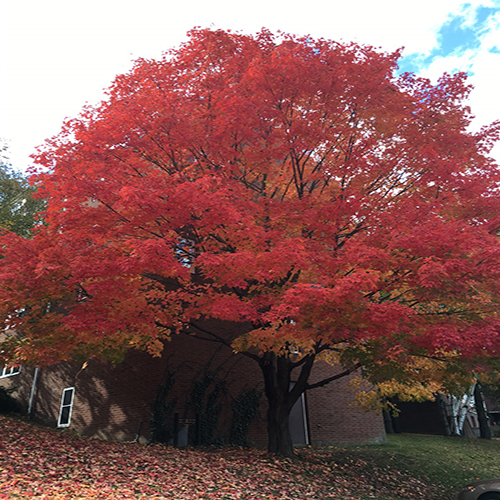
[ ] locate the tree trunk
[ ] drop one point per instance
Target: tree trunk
(278, 428)
(443, 414)
(484, 428)
(388, 422)
(281, 397)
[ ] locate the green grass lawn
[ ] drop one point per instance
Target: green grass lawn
(36, 462)
(448, 461)
(444, 464)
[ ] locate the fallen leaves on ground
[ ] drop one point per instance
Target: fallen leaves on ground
(43, 463)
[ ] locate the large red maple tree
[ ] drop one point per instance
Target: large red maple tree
(296, 188)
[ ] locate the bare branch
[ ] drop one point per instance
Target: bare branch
(326, 381)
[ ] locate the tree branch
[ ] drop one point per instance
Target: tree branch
(334, 377)
(218, 338)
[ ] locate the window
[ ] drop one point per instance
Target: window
(66, 407)
(8, 372)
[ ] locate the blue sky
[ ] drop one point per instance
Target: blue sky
(56, 55)
(462, 33)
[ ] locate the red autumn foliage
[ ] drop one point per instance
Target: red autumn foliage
(295, 187)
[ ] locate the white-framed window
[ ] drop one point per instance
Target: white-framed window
(66, 407)
(8, 372)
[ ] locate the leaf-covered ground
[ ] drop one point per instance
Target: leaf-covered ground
(43, 463)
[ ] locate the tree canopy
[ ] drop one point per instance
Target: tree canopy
(298, 188)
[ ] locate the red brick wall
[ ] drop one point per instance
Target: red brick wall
(115, 402)
(21, 382)
(333, 419)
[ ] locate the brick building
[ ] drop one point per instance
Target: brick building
(197, 391)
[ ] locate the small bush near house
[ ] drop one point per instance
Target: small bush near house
(7, 403)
